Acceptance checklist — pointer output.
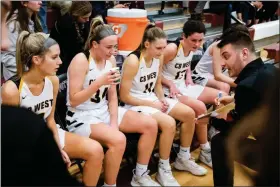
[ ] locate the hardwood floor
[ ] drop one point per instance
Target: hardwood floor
(184, 178)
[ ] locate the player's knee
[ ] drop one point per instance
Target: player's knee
(201, 108)
(119, 142)
(94, 151)
(225, 87)
(150, 125)
(188, 115)
(169, 125)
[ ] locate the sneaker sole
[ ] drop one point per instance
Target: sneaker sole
(204, 161)
(178, 167)
(134, 184)
(160, 182)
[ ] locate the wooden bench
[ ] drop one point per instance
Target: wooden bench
(273, 52)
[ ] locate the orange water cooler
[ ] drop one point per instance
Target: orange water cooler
(129, 25)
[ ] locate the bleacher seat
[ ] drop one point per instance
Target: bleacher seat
(60, 110)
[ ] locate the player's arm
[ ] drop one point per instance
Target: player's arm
(158, 86)
(77, 72)
(113, 100)
(169, 54)
(50, 119)
(10, 94)
(130, 69)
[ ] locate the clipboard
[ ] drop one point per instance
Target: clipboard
(215, 113)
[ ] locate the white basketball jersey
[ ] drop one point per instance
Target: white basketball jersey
(175, 70)
(205, 64)
(98, 99)
(41, 104)
(145, 80)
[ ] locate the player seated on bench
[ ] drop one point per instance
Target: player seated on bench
(141, 91)
(37, 88)
(93, 106)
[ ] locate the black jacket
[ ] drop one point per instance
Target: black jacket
(253, 84)
(64, 32)
(30, 155)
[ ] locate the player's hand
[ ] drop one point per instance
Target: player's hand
(115, 126)
(174, 91)
(65, 158)
(224, 100)
(109, 78)
(165, 105)
(189, 82)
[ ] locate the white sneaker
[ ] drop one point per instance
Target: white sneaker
(190, 166)
(165, 177)
(212, 132)
(205, 157)
(144, 180)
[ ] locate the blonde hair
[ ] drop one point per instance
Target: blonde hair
(151, 33)
(29, 45)
(98, 31)
(80, 8)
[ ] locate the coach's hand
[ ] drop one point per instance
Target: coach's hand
(224, 100)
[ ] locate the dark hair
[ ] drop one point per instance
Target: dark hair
(193, 26)
(29, 45)
(151, 33)
(233, 28)
(23, 18)
(237, 39)
(98, 31)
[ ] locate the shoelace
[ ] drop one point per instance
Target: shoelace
(168, 174)
(192, 163)
(206, 155)
(146, 178)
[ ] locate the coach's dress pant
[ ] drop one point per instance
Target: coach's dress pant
(223, 168)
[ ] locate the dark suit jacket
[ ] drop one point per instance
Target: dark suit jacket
(64, 32)
(253, 84)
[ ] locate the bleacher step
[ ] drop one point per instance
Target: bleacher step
(172, 22)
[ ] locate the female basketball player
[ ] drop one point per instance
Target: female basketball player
(93, 106)
(36, 87)
(141, 91)
(177, 81)
(208, 71)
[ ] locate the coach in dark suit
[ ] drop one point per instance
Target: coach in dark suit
(254, 79)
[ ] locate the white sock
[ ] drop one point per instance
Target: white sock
(109, 184)
(140, 169)
(184, 152)
(205, 146)
(165, 163)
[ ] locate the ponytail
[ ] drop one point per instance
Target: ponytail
(98, 31)
(20, 64)
(29, 45)
(151, 33)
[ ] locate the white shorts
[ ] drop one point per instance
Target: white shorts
(192, 91)
(79, 121)
(202, 78)
(61, 136)
(150, 110)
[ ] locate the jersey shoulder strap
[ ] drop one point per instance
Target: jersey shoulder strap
(176, 42)
(16, 80)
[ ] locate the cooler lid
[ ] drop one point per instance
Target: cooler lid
(127, 13)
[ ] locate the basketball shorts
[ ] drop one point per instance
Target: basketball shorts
(79, 121)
